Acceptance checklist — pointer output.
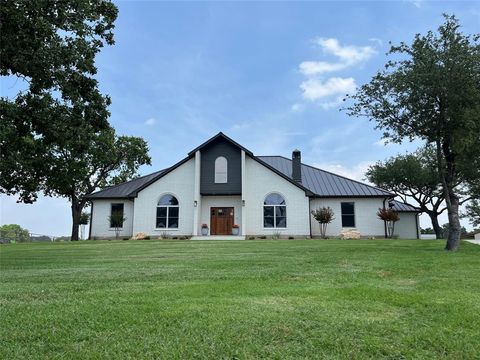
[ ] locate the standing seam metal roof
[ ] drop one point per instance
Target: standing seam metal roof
(323, 183)
(126, 189)
(315, 182)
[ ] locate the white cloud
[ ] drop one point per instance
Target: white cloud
(332, 90)
(150, 121)
(319, 67)
(314, 89)
(297, 107)
(376, 40)
(348, 55)
(416, 3)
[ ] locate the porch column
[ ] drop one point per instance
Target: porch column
(197, 205)
(244, 213)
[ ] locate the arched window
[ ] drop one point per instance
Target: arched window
(221, 170)
(167, 212)
(274, 211)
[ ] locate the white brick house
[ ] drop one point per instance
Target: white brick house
(222, 185)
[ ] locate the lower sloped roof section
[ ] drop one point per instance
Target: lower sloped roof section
(323, 183)
(402, 207)
(126, 189)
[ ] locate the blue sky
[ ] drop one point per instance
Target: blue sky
(268, 74)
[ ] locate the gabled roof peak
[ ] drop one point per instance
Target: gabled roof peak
(220, 135)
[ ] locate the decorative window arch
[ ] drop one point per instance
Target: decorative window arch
(221, 170)
(274, 211)
(167, 212)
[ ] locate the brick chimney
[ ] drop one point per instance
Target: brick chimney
(297, 166)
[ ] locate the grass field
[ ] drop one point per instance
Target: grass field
(239, 299)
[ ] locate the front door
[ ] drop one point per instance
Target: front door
(221, 220)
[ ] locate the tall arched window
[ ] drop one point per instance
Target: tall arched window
(167, 212)
(221, 170)
(274, 211)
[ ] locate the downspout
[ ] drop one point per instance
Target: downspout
(416, 223)
(384, 222)
(310, 216)
(90, 225)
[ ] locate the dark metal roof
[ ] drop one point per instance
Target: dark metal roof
(220, 135)
(126, 189)
(323, 183)
(315, 182)
(402, 207)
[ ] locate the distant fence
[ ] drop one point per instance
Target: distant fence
(428, 236)
(20, 237)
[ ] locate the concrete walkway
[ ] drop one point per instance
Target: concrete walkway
(218, 237)
(477, 242)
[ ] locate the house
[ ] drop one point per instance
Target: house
(221, 183)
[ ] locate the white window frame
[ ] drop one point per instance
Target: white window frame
(221, 177)
(275, 213)
(168, 213)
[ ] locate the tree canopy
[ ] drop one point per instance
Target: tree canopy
(50, 46)
(431, 91)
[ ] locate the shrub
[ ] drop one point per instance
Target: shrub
(146, 237)
(126, 238)
(251, 238)
(324, 216)
(291, 237)
(276, 235)
(390, 217)
(263, 237)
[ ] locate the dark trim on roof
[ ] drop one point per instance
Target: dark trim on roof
(268, 166)
(218, 136)
(165, 172)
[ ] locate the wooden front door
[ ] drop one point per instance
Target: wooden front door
(221, 220)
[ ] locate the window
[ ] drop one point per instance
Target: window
(348, 214)
(274, 212)
(116, 216)
(221, 170)
(167, 212)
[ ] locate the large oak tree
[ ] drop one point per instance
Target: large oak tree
(54, 134)
(431, 91)
(49, 46)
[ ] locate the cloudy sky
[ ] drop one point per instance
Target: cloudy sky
(271, 75)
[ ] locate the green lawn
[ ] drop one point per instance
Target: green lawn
(240, 299)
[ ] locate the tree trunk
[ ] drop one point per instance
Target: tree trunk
(77, 208)
(436, 226)
(455, 229)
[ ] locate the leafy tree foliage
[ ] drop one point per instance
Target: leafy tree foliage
(390, 217)
(324, 216)
(473, 212)
(116, 220)
(85, 162)
(415, 179)
(14, 232)
(431, 91)
(54, 135)
(50, 46)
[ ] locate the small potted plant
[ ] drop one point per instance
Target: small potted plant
(204, 229)
(235, 229)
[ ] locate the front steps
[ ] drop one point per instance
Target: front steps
(218, 237)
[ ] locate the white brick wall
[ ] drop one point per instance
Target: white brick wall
(366, 221)
(406, 227)
(261, 181)
(100, 223)
(220, 201)
(180, 183)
